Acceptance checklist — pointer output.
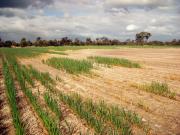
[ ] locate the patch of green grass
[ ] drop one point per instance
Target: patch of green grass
(70, 65)
(158, 88)
(115, 61)
(35, 51)
(24, 52)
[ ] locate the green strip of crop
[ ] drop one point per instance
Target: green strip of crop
(44, 78)
(26, 75)
(117, 116)
(53, 105)
(158, 88)
(11, 94)
(70, 65)
(49, 123)
(115, 61)
(98, 124)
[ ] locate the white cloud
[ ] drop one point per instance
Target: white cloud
(140, 3)
(90, 18)
(153, 20)
(131, 27)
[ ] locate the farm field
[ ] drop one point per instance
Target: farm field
(90, 90)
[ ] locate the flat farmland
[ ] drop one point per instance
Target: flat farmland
(144, 83)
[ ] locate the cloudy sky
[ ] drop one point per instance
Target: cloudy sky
(120, 19)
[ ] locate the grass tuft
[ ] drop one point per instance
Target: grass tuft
(115, 61)
(157, 88)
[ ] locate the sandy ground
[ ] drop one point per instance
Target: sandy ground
(114, 85)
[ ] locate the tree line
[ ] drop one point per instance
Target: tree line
(140, 39)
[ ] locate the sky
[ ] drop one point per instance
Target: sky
(115, 19)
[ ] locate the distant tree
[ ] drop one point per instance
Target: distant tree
(1, 43)
(105, 41)
(175, 42)
(66, 41)
(54, 42)
(97, 41)
(8, 43)
(115, 42)
(38, 41)
(15, 44)
(23, 42)
(142, 37)
(29, 43)
(77, 41)
(156, 43)
(38, 38)
(89, 41)
(51, 43)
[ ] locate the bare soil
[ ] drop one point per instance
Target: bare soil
(114, 85)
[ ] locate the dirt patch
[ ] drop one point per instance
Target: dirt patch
(114, 84)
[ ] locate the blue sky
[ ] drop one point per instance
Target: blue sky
(120, 19)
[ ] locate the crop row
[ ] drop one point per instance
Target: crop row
(53, 105)
(157, 88)
(49, 123)
(70, 65)
(114, 61)
(73, 66)
(11, 94)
